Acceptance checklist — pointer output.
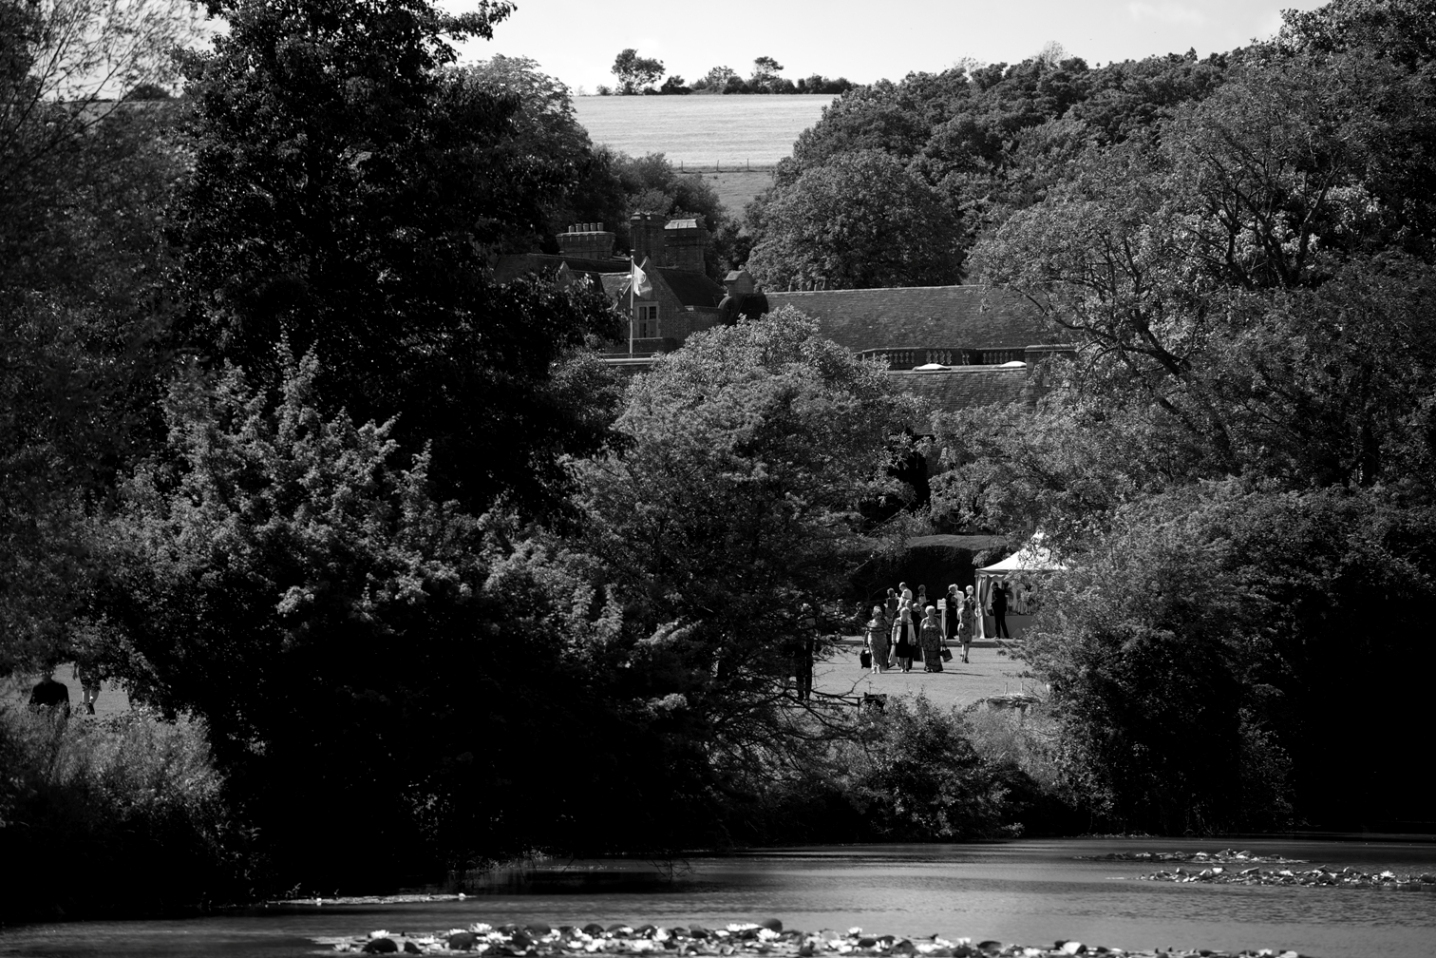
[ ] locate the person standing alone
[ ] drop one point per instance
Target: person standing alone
(999, 610)
(805, 645)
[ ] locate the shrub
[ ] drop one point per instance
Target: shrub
(120, 816)
(917, 774)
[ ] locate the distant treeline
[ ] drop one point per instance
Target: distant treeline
(640, 74)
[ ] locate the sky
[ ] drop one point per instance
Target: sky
(863, 40)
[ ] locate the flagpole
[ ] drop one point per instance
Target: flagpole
(631, 309)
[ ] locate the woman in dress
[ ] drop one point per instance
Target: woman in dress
(904, 642)
(931, 640)
(966, 620)
(914, 624)
(875, 637)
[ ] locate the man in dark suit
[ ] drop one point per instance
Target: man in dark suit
(999, 610)
(52, 695)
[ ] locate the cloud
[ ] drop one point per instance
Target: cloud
(1168, 12)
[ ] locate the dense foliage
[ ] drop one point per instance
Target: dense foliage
(984, 139)
(639, 74)
(858, 222)
(132, 795)
(718, 517)
(434, 586)
(346, 194)
(636, 74)
(83, 185)
(1238, 458)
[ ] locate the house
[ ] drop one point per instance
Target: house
(917, 326)
(959, 347)
(678, 297)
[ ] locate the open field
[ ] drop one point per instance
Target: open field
(736, 188)
(701, 131)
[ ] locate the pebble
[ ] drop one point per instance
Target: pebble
(768, 939)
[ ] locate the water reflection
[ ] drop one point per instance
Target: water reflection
(1030, 892)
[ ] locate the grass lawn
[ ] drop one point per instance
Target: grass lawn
(736, 188)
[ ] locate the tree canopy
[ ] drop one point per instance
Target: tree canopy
(347, 191)
(83, 184)
(1239, 453)
(859, 222)
(635, 73)
(735, 490)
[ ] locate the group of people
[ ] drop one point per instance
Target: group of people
(54, 697)
(907, 629)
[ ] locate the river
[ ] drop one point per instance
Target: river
(1030, 892)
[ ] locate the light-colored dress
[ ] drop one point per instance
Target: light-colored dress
(931, 642)
(966, 616)
(878, 642)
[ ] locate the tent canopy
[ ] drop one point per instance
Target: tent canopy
(1033, 557)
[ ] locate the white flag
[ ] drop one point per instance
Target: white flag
(639, 281)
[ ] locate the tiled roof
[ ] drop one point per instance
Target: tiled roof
(963, 387)
(513, 265)
(690, 224)
(690, 287)
(964, 317)
(974, 543)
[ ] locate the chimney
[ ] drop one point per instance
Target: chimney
(586, 241)
(685, 242)
(739, 282)
(646, 232)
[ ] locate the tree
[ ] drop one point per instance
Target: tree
(884, 116)
(1194, 653)
(290, 578)
(765, 75)
(652, 184)
(860, 221)
(551, 153)
(733, 501)
(635, 73)
(715, 79)
(83, 182)
(918, 768)
(64, 62)
(347, 192)
(1249, 409)
(1192, 267)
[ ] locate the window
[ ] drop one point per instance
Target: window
(647, 322)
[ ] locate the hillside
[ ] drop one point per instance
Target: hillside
(737, 188)
(701, 131)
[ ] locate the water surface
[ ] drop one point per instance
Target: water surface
(1030, 892)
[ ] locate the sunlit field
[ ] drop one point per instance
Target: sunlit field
(702, 131)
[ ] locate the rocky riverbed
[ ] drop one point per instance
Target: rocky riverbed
(1226, 856)
(1320, 877)
(738, 940)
